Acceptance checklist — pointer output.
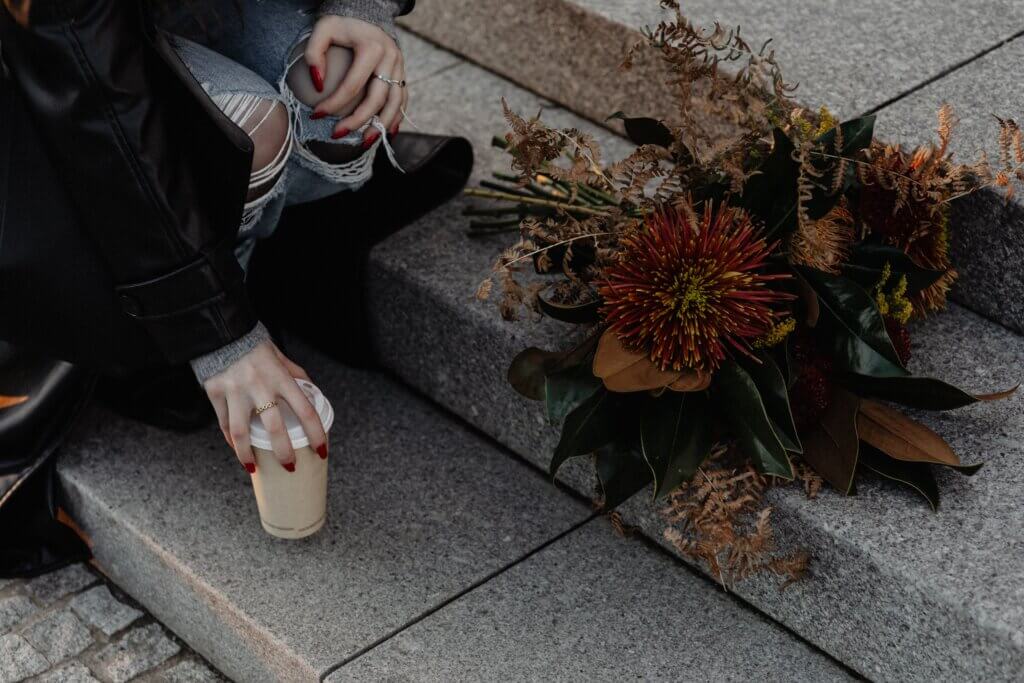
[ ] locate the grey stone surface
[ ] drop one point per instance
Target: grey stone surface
(13, 609)
(188, 671)
(952, 617)
(18, 660)
(986, 229)
(103, 611)
(849, 56)
(58, 635)
(71, 673)
(590, 607)
(423, 59)
(419, 510)
(55, 585)
(140, 650)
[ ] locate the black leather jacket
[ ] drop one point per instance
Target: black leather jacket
(121, 189)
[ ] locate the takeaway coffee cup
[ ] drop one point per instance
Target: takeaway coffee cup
(291, 504)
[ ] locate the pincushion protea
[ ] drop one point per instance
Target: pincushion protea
(686, 288)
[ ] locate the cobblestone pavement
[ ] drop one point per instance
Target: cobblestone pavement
(72, 626)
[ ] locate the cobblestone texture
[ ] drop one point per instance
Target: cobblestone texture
(71, 626)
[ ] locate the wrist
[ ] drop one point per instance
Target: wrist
(219, 360)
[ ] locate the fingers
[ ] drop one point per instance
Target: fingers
(274, 424)
(391, 114)
(220, 406)
(316, 55)
(368, 56)
(239, 413)
(376, 97)
(308, 417)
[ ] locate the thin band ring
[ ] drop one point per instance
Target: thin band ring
(391, 81)
(266, 406)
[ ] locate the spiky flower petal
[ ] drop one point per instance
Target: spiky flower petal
(688, 287)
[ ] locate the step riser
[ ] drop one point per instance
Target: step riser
(457, 353)
(140, 567)
(571, 55)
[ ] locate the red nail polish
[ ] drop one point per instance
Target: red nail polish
(338, 134)
(368, 143)
(318, 115)
(322, 451)
(318, 79)
(394, 131)
(290, 466)
(250, 467)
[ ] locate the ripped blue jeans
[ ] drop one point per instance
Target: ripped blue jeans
(248, 62)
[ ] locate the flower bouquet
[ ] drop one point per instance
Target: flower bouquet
(744, 279)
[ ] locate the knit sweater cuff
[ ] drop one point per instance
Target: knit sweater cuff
(381, 13)
(215, 362)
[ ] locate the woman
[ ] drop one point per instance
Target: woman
(147, 152)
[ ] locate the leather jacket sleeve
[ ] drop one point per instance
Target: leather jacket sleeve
(156, 173)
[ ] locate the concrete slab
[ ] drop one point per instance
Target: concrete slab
(420, 509)
(591, 607)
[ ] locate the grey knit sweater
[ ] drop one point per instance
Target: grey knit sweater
(379, 12)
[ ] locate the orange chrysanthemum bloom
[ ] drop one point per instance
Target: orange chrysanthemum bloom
(686, 288)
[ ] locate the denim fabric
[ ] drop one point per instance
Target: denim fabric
(249, 52)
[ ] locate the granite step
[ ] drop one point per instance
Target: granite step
(902, 60)
(896, 591)
(426, 519)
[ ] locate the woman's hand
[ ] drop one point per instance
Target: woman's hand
(257, 378)
(375, 54)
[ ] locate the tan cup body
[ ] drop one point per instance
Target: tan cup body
(291, 504)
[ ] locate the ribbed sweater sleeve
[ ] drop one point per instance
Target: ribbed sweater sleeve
(217, 361)
(379, 12)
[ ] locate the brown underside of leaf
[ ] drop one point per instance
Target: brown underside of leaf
(900, 437)
(998, 395)
(9, 401)
(833, 447)
(624, 371)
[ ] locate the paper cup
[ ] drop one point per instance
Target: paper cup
(291, 504)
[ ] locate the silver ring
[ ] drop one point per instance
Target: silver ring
(391, 81)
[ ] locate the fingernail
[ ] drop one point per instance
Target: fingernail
(250, 467)
(368, 142)
(318, 115)
(394, 131)
(290, 466)
(318, 79)
(340, 133)
(322, 451)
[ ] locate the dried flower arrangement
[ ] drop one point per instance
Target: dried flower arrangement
(745, 277)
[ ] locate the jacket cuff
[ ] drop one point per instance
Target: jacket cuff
(215, 362)
(381, 13)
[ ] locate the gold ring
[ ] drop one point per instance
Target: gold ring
(266, 406)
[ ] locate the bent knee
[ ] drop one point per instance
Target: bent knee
(270, 134)
(300, 82)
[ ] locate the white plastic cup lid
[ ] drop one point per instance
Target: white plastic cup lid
(260, 437)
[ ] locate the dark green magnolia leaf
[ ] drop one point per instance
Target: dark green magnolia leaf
(856, 135)
(832, 447)
(916, 475)
(771, 193)
(622, 474)
(565, 389)
(675, 438)
(579, 314)
(645, 131)
(868, 260)
(861, 342)
(529, 370)
(592, 424)
(775, 395)
(925, 393)
(738, 402)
